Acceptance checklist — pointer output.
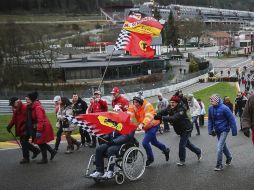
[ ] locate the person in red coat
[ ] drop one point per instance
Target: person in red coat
(19, 121)
(97, 105)
(38, 123)
(118, 101)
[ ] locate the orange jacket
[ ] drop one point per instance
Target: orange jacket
(145, 114)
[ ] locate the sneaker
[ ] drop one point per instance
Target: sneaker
(199, 155)
(166, 152)
(24, 161)
(218, 168)
(181, 163)
(148, 162)
(109, 174)
(68, 151)
(228, 161)
(35, 154)
(96, 174)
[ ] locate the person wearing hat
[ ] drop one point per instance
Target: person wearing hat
(144, 112)
(220, 121)
(97, 105)
(18, 120)
(57, 102)
(121, 102)
(195, 110)
(39, 126)
(162, 104)
(178, 118)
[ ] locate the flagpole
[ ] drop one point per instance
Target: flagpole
(106, 69)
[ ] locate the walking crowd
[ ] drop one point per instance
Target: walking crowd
(181, 112)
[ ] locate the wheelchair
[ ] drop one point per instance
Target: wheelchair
(129, 163)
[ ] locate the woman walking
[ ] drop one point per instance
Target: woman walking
(66, 109)
(39, 125)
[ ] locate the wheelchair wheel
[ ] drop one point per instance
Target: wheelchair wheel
(133, 163)
(119, 177)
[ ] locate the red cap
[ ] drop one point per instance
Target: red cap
(175, 99)
(115, 90)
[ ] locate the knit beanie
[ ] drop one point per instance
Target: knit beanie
(175, 99)
(215, 98)
(33, 96)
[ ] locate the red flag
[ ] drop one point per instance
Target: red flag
(139, 45)
(139, 23)
(107, 122)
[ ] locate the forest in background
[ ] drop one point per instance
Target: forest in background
(92, 6)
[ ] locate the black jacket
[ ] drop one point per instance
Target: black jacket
(79, 107)
(178, 118)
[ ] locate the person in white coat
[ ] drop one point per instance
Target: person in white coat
(202, 113)
(194, 110)
(162, 104)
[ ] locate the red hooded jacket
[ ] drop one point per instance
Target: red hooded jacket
(19, 120)
(42, 123)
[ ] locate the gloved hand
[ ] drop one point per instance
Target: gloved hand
(38, 135)
(213, 133)
(110, 142)
(8, 129)
(246, 132)
(157, 117)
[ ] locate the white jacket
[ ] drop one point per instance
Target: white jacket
(194, 107)
(202, 110)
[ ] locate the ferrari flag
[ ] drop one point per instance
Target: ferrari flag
(107, 122)
(139, 45)
(137, 22)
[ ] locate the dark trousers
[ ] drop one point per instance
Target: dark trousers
(185, 142)
(201, 120)
(58, 137)
(94, 140)
(195, 121)
(103, 151)
(166, 125)
(85, 137)
(44, 148)
(26, 146)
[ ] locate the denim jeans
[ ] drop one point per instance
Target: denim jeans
(150, 136)
(222, 147)
(103, 151)
(185, 142)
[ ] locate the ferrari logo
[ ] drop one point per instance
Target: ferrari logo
(110, 123)
(142, 45)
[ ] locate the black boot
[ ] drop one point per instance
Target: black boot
(44, 159)
(35, 153)
(24, 161)
(166, 152)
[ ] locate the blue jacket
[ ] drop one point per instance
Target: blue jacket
(221, 119)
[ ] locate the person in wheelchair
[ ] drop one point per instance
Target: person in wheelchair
(109, 148)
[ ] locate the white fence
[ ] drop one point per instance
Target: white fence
(49, 104)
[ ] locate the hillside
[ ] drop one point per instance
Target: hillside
(92, 6)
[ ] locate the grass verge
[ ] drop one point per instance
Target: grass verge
(222, 89)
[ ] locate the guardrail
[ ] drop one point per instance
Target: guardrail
(49, 104)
